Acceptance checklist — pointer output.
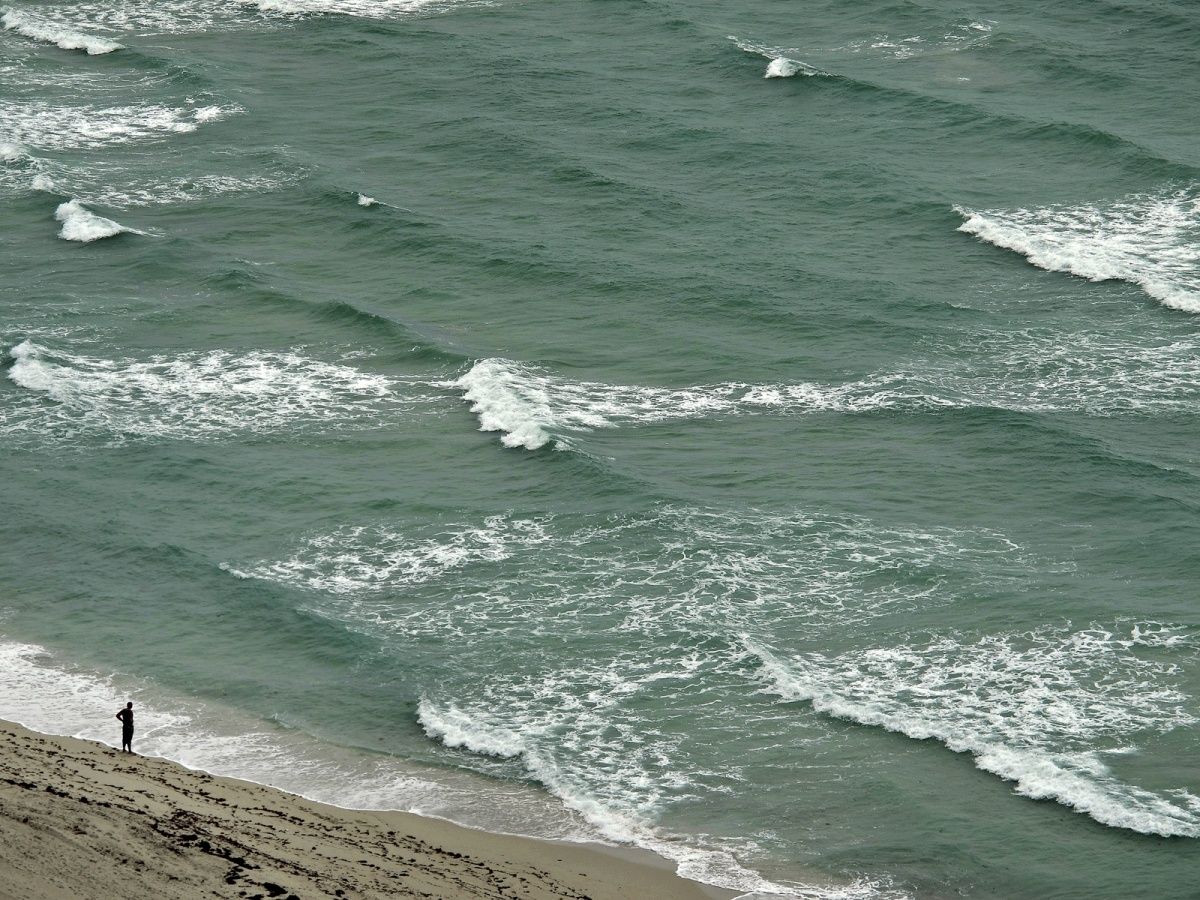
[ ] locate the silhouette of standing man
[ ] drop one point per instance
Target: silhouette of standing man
(126, 717)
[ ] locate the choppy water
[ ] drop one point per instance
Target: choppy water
(762, 432)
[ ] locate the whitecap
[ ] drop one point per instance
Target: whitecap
(10, 152)
(198, 396)
(531, 407)
(1150, 240)
(473, 730)
(59, 127)
(1033, 708)
(781, 65)
(364, 200)
(82, 225)
(39, 29)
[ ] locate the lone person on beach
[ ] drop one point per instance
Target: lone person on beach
(126, 717)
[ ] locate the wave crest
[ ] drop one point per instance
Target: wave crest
(1037, 709)
(82, 225)
(781, 65)
(1152, 241)
(531, 408)
(61, 36)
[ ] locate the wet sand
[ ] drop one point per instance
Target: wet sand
(80, 820)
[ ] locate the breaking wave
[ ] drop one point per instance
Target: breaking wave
(1038, 709)
(1150, 240)
(781, 65)
(82, 225)
(53, 33)
(531, 408)
(197, 395)
(660, 596)
(472, 730)
(10, 153)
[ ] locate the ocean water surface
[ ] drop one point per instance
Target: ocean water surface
(764, 433)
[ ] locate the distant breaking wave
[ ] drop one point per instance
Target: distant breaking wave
(531, 407)
(781, 65)
(53, 33)
(1038, 709)
(82, 225)
(1090, 373)
(1152, 241)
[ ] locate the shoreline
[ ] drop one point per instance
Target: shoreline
(78, 818)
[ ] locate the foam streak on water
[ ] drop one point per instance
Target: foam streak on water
(57, 127)
(659, 596)
(196, 395)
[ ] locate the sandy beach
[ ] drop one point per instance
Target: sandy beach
(80, 820)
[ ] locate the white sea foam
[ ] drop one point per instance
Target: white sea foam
(10, 152)
(83, 225)
(370, 9)
(95, 184)
(46, 695)
(1035, 708)
(192, 396)
(474, 731)
(150, 17)
(56, 127)
(31, 26)
(659, 595)
(956, 38)
(359, 559)
(820, 572)
(781, 64)
(1120, 372)
(1151, 240)
(1032, 370)
(531, 407)
(364, 200)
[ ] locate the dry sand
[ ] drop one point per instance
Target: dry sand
(80, 820)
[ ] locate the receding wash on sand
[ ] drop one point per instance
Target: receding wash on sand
(758, 434)
(81, 820)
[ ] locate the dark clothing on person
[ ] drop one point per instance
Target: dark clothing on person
(126, 717)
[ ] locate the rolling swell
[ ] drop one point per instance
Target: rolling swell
(1059, 137)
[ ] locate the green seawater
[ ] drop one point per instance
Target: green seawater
(530, 413)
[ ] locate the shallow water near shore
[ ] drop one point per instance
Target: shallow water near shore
(761, 434)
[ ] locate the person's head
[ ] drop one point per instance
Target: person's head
(129, 705)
